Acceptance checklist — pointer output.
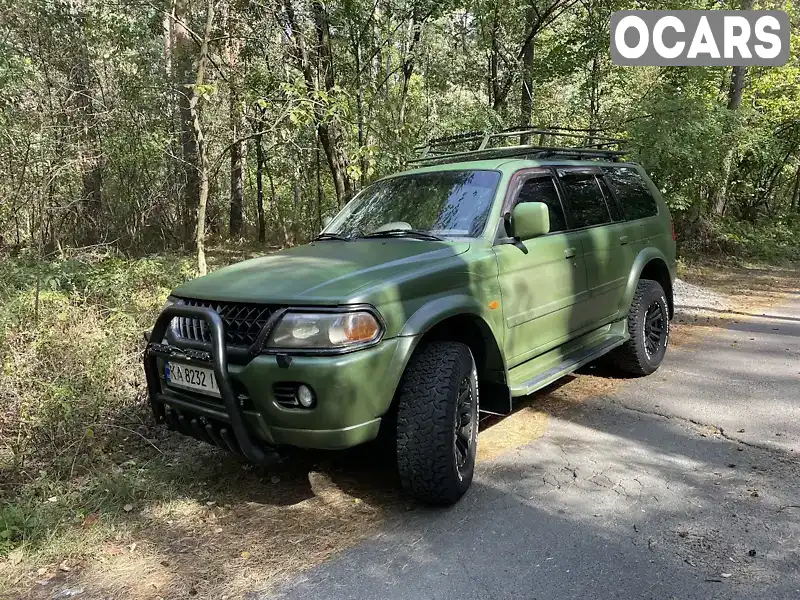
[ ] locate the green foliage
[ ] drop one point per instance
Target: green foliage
(766, 241)
(96, 149)
(71, 372)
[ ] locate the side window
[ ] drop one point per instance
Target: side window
(613, 207)
(633, 192)
(542, 189)
(585, 198)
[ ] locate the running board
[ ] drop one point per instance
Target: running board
(567, 366)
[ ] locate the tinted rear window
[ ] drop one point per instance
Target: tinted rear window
(632, 192)
(586, 202)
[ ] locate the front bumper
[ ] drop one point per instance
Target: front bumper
(353, 392)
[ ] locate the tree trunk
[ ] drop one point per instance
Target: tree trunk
(237, 170)
(415, 26)
(262, 233)
(796, 191)
(720, 197)
(359, 116)
(237, 125)
(279, 217)
(526, 98)
(498, 94)
(594, 98)
(329, 134)
(202, 154)
(737, 87)
(184, 52)
(82, 93)
(297, 201)
(738, 73)
(734, 101)
(319, 188)
(175, 170)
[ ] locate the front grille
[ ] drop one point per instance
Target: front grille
(243, 322)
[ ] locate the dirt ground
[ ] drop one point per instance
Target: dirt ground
(235, 528)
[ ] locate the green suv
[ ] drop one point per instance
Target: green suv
(453, 288)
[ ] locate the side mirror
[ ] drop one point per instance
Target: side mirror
(530, 220)
(326, 220)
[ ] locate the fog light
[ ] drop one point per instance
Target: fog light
(305, 396)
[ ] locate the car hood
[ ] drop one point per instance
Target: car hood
(324, 272)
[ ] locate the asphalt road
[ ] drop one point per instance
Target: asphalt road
(683, 485)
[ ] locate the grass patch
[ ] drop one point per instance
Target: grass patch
(73, 390)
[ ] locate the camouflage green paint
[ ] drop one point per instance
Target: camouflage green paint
(533, 297)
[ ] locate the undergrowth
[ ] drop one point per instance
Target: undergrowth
(72, 386)
(770, 242)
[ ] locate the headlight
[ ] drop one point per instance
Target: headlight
(325, 331)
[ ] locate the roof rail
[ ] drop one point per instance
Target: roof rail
(478, 145)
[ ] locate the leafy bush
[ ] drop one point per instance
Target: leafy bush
(765, 241)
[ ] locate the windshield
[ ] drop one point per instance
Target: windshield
(445, 203)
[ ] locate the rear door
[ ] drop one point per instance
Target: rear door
(607, 242)
(542, 280)
(638, 204)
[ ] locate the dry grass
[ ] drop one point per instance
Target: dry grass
(204, 525)
(226, 528)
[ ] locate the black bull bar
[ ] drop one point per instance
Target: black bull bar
(217, 358)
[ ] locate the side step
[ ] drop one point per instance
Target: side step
(567, 366)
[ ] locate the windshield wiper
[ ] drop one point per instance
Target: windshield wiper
(331, 236)
(415, 233)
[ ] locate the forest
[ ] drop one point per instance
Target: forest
(144, 142)
(126, 124)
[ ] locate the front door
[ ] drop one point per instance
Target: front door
(542, 280)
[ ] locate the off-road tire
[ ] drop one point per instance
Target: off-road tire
(426, 423)
(633, 357)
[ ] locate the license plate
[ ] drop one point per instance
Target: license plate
(191, 378)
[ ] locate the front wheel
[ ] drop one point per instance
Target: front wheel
(648, 325)
(437, 423)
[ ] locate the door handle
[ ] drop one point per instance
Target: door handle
(623, 239)
(569, 253)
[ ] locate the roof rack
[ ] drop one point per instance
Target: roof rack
(478, 145)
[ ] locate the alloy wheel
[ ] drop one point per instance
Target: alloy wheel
(466, 419)
(655, 328)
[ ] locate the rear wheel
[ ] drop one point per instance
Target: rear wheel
(437, 423)
(648, 325)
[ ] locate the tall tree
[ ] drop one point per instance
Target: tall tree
(330, 134)
(735, 92)
(202, 151)
(237, 121)
(185, 51)
(82, 97)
